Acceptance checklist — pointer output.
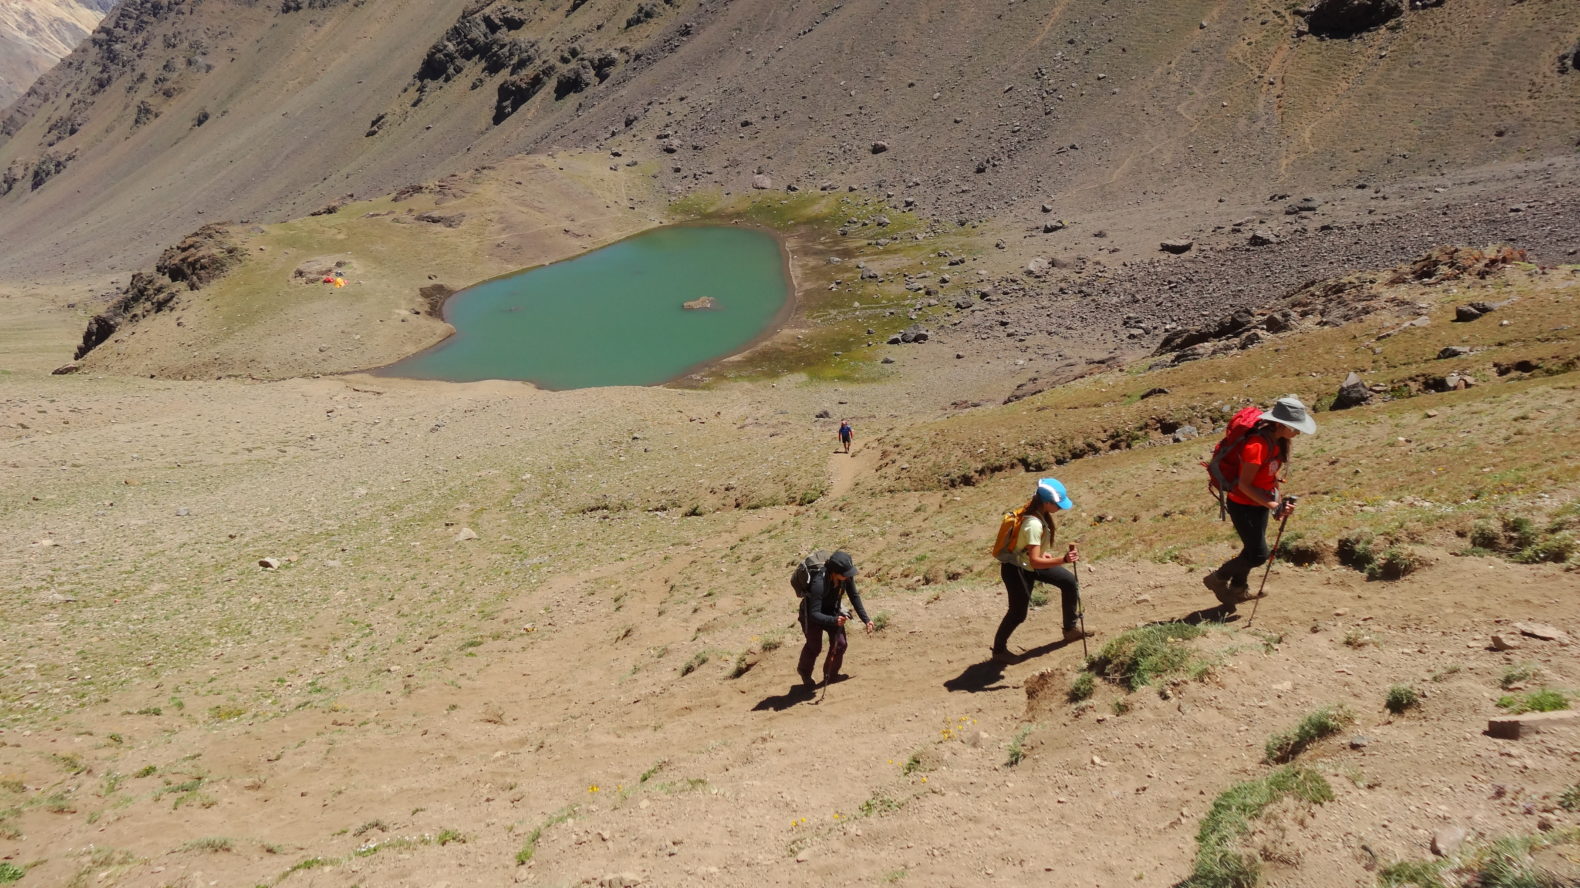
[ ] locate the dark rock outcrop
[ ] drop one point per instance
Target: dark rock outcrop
(201, 258)
(1346, 18)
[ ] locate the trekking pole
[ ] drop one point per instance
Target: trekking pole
(1080, 607)
(1271, 557)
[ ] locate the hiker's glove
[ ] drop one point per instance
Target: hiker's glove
(1285, 507)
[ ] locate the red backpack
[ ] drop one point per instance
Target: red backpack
(1223, 467)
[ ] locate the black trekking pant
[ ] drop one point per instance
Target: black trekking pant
(837, 643)
(1250, 522)
(1018, 582)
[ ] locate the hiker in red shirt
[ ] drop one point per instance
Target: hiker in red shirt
(1254, 497)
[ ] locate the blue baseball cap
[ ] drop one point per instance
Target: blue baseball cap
(1051, 490)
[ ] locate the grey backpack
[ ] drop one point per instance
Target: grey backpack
(807, 570)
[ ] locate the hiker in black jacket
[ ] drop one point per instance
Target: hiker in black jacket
(821, 612)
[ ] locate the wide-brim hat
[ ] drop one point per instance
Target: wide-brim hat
(1051, 490)
(1290, 412)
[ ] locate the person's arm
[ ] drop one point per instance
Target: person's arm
(1039, 559)
(855, 602)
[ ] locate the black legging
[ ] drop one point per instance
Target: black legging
(1018, 582)
(1250, 522)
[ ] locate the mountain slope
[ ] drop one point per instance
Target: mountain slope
(181, 112)
(37, 34)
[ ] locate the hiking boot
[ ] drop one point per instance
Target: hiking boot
(1002, 655)
(1240, 592)
(836, 677)
(1218, 585)
(806, 680)
(1076, 634)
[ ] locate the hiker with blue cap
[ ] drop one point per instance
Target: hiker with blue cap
(1025, 552)
(1246, 468)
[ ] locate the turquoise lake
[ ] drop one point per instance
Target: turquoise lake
(615, 316)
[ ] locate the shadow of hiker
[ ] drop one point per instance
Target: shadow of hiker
(983, 676)
(798, 693)
(1221, 613)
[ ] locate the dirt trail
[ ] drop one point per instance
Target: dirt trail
(845, 468)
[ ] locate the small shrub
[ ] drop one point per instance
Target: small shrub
(743, 664)
(1083, 686)
(1486, 535)
(773, 641)
(10, 872)
(1137, 657)
(1443, 674)
(1017, 747)
(1401, 698)
(1544, 700)
(695, 663)
(1516, 675)
(212, 845)
(1358, 638)
(1298, 550)
(1395, 564)
(880, 621)
(449, 836)
(879, 805)
(1569, 799)
(1555, 549)
(530, 847)
(1325, 722)
(1039, 596)
(1355, 549)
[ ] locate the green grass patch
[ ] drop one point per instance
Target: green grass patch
(1401, 698)
(211, 845)
(1138, 657)
(529, 848)
(1518, 674)
(10, 872)
(1220, 861)
(1325, 722)
(1083, 687)
(1544, 700)
(1421, 873)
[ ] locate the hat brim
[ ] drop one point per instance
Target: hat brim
(1307, 427)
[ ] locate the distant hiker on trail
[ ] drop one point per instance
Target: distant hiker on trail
(845, 434)
(1245, 470)
(824, 586)
(1025, 552)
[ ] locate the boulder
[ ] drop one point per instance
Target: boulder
(1453, 351)
(702, 303)
(1038, 267)
(1352, 393)
(762, 182)
(1513, 727)
(1262, 237)
(1503, 642)
(879, 147)
(1542, 631)
(1178, 245)
(465, 533)
(1448, 839)
(1346, 18)
(66, 368)
(1464, 314)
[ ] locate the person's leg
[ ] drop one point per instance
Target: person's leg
(1068, 593)
(837, 642)
(1250, 523)
(809, 650)
(1017, 585)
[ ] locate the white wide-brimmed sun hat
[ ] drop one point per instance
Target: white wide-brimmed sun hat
(1290, 412)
